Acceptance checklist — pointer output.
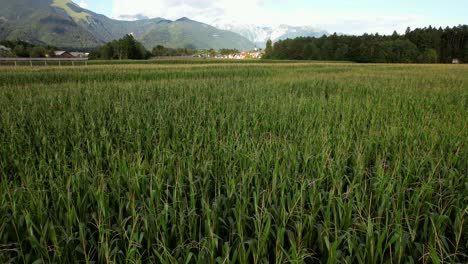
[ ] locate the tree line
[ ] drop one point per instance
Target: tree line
(422, 45)
(160, 50)
(129, 48)
(24, 49)
(126, 48)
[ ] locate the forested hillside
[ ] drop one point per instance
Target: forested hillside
(425, 45)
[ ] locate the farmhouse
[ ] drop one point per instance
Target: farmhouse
(4, 48)
(5, 52)
(63, 54)
(79, 54)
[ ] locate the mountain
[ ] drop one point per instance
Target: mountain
(64, 24)
(191, 34)
(260, 34)
(42, 22)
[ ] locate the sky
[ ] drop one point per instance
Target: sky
(342, 16)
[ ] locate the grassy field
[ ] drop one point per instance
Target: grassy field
(234, 163)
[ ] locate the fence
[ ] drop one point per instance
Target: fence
(43, 61)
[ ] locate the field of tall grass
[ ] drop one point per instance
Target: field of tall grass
(234, 163)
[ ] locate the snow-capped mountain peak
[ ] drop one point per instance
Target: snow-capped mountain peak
(259, 34)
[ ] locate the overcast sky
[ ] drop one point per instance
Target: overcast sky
(344, 16)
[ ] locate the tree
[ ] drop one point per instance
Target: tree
(327, 49)
(212, 52)
(341, 52)
(311, 52)
(122, 49)
(405, 51)
(38, 52)
(269, 46)
(228, 51)
(160, 50)
(429, 56)
(21, 51)
(107, 52)
(408, 31)
(464, 58)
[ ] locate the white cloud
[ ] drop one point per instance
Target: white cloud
(363, 23)
(255, 12)
(202, 10)
(83, 4)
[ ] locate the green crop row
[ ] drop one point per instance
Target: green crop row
(257, 163)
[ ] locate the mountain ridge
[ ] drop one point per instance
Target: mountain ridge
(259, 34)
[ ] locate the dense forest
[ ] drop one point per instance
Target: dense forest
(424, 45)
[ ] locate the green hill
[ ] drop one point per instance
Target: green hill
(62, 23)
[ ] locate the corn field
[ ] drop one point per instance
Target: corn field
(234, 163)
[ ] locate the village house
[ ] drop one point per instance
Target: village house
(256, 55)
(246, 55)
